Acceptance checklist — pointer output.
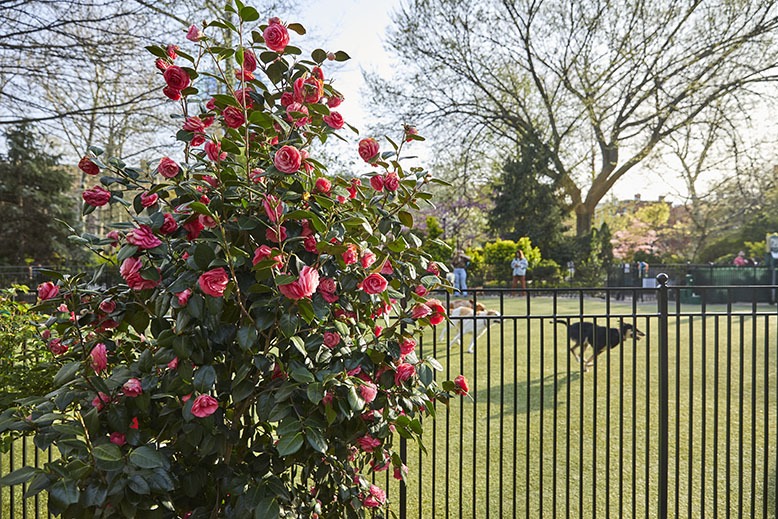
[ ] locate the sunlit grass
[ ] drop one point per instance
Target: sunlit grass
(542, 439)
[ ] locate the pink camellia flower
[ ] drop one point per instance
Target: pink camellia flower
(117, 438)
(419, 311)
(56, 347)
(400, 472)
(334, 101)
(168, 167)
(130, 271)
(331, 339)
(233, 117)
(310, 243)
(214, 281)
(392, 181)
(173, 364)
(305, 164)
(171, 50)
(438, 311)
(176, 78)
(101, 400)
(47, 290)
(162, 65)
(276, 236)
(193, 228)
(403, 373)
(420, 290)
(375, 498)
(257, 175)
(276, 36)
(274, 208)
(407, 346)
(461, 385)
(210, 104)
(211, 181)
(97, 196)
(367, 259)
(87, 166)
(213, 150)
(249, 61)
(287, 98)
(298, 114)
(194, 34)
(327, 289)
(132, 388)
(334, 120)
(367, 443)
(409, 132)
(172, 93)
(107, 306)
(99, 357)
(194, 124)
(368, 149)
(329, 396)
(264, 252)
(352, 190)
(433, 268)
(323, 185)
(377, 182)
(204, 405)
(368, 392)
(350, 255)
(387, 269)
(183, 296)
(169, 225)
(374, 284)
(208, 222)
(304, 286)
(134, 422)
(143, 238)
(288, 160)
(114, 236)
(148, 199)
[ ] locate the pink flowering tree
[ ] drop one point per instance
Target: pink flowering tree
(259, 359)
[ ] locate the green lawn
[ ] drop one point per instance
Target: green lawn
(541, 439)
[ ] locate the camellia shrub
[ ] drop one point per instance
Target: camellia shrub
(259, 359)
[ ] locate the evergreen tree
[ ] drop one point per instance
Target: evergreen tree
(33, 197)
(523, 204)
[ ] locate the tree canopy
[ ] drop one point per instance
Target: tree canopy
(597, 85)
(32, 199)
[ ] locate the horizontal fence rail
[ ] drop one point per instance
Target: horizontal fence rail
(678, 422)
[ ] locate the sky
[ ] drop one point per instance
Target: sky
(359, 28)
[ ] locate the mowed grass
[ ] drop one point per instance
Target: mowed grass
(12, 504)
(541, 438)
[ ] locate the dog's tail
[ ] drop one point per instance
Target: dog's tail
(562, 321)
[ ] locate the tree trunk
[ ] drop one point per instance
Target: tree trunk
(584, 216)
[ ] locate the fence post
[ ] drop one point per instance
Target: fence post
(664, 394)
(403, 486)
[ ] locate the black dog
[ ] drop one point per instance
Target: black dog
(585, 334)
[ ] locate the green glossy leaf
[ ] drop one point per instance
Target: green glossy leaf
(296, 27)
(19, 476)
(65, 492)
(66, 373)
(249, 14)
(146, 457)
(267, 508)
(288, 445)
(319, 55)
(204, 378)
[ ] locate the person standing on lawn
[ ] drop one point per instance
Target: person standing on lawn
(460, 262)
(519, 264)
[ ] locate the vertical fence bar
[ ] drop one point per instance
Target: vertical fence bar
(663, 403)
(403, 487)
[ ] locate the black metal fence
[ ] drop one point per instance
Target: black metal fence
(681, 422)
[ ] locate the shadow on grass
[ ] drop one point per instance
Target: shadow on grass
(525, 396)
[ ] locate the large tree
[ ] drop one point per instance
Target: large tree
(525, 202)
(33, 201)
(598, 84)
